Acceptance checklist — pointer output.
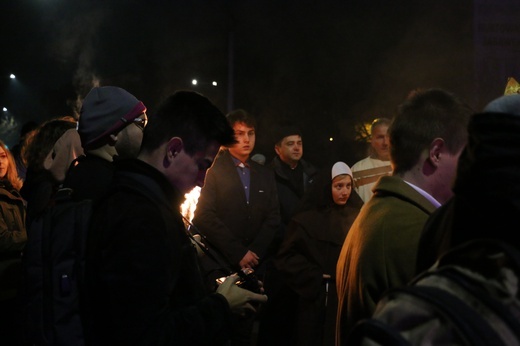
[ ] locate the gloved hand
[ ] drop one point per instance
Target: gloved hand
(239, 299)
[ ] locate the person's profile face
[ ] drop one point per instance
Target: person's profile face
(189, 171)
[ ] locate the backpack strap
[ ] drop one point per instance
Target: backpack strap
(473, 328)
(473, 287)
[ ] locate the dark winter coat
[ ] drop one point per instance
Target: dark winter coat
(143, 285)
(37, 190)
(310, 249)
(229, 222)
(13, 237)
(289, 198)
(90, 178)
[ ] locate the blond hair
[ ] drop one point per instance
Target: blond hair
(12, 174)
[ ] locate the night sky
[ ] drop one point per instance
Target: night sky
(327, 65)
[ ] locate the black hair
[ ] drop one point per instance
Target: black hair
(190, 116)
(241, 116)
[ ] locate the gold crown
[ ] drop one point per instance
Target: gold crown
(512, 87)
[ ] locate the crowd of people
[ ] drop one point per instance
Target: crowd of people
(322, 244)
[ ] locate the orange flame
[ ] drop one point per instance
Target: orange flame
(190, 203)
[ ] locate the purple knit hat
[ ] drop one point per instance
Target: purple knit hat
(106, 110)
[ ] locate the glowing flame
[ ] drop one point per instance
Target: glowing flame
(190, 203)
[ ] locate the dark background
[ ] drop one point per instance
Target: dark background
(327, 65)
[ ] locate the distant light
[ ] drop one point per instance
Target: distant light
(12, 76)
(214, 83)
(4, 109)
(331, 139)
(194, 82)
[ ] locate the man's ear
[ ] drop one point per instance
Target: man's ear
(277, 150)
(437, 147)
(175, 146)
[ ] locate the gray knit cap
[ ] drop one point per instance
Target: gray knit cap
(509, 104)
(106, 110)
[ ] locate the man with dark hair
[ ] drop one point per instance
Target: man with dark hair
(143, 283)
(294, 176)
(238, 209)
(426, 139)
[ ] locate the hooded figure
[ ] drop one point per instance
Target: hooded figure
(310, 249)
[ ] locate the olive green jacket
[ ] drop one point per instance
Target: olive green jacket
(380, 249)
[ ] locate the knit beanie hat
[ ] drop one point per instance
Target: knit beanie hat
(106, 110)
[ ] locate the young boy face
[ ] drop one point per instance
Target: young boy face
(245, 137)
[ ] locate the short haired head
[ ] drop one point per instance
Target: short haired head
(241, 116)
(106, 111)
(422, 117)
(190, 116)
(379, 122)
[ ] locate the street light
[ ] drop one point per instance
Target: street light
(12, 76)
(196, 82)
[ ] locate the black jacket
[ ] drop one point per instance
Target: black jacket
(288, 196)
(231, 224)
(143, 285)
(90, 177)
